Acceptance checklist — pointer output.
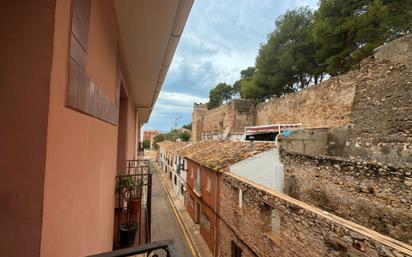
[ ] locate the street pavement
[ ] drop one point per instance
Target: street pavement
(164, 222)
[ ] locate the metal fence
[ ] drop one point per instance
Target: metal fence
(133, 200)
(161, 249)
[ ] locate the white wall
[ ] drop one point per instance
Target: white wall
(264, 168)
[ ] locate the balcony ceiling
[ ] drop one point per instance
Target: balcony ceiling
(150, 31)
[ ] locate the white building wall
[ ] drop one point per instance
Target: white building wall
(264, 168)
(172, 169)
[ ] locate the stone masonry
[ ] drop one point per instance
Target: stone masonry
(378, 197)
(305, 231)
(374, 102)
(233, 117)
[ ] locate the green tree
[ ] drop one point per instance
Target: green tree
(219, 95)
(188, 126)
(287, 61)
(348, 31)
(157, 139)
(146, 143)
(246, 74)
(399, 22)
(184, 136)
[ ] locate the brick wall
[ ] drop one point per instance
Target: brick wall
(376, 196)
(305, 231)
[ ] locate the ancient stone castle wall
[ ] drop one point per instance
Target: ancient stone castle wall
(373, 102)
(235, 115)
(322, 106)
(382, 108)
(198, 115)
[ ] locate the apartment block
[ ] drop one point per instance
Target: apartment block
(78, 80)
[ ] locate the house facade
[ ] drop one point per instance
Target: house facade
(206, 161)
(202, 201)
(79, 79)
(174, 165)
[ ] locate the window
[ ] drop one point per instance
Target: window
(175, 179)
(182, 189)
(198, 175)
(275, 220)
(272, 221)
(170, 176)
(236, 251)
(205, 221)
(191, 173)
(190, 200)
(209, 184)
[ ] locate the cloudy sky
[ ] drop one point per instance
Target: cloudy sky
(221, 37)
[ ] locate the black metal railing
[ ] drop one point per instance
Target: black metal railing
(133, 201)
(161, 248)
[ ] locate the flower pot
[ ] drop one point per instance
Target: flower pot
(127, 234)
(134, 206)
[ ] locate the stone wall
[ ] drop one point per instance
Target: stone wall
(198, 115)
(305, 231)
(325, 105)
(235, 115)
(376, 196)
(382, 108)
(374, 102)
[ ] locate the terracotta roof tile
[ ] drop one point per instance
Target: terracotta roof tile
(218, 155)
(171, 146)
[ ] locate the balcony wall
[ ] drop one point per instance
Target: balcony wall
(81, 149)
(26, 43)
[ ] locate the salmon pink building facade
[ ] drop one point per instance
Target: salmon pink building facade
(79, 79)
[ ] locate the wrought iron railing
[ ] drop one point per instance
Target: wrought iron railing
(133, 202)
(161, 248)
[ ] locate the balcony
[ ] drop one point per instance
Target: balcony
(133, 205)
(161, 248)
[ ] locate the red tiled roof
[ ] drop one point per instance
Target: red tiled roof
(171, 146)
(218, 155)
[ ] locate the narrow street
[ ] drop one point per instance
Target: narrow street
(164, 222)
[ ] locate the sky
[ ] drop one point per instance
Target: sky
(221, 38)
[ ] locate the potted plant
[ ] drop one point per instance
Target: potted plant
(118, 197)
(135, 198)
(128, 229)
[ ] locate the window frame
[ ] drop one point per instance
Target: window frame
(236, 251)
(208, 184)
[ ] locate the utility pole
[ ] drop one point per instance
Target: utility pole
(177, 119)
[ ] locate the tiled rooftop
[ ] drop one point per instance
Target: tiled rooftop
(218, 155)
(172, 146)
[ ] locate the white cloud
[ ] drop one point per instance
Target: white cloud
(180, 99)
(219, 40)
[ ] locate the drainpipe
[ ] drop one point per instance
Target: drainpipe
(137, 135)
